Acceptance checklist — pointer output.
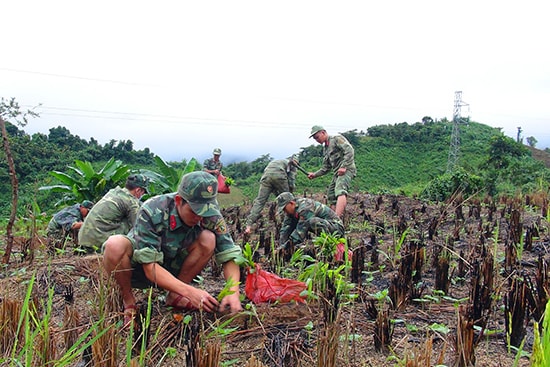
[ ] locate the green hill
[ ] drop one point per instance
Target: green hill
(400, 158)
(404, 158)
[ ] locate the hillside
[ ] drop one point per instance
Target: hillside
(404, 159)
(540, 155)
(398, 158)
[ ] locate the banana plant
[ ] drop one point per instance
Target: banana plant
(83, 182)
(168, 177)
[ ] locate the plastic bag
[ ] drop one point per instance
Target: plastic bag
(222, 187)
(340, 252)
(262, 286)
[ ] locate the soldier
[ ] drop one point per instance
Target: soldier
(304, 215)
(174, 237)
(115, 213)
(213, 165)
(338, 157)
(65, 222)
(279, 176)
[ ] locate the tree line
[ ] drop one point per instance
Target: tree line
(403, 158)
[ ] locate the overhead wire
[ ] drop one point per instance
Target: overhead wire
(179, 119)
(78, 77)
(129, 116)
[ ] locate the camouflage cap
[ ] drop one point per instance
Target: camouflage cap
(315, 129)
(200, 190)
(138, 180)
(282, 200)
(217, 151)
(87, 204)
(295, 158)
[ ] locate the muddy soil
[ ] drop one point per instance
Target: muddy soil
(413, 326)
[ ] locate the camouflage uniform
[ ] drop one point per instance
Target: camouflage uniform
(279, 176)
(310, 216)
(115, 213)
(61, 224)
(337, 153)
(211, 164)
(160, 236)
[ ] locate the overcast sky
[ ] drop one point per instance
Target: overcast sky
(252, 77)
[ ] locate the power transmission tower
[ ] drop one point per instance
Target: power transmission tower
(454, 148)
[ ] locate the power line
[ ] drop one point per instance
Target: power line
(172, 119)
(129, 116)
(79, 77)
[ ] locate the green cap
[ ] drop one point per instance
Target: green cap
(200, 189)
(138, 180)
(282, 200)
(217, 151)
(315, 129)
(87, 204)
(295, 158)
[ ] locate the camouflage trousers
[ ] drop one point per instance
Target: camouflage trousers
(338, 186)
(268, 186)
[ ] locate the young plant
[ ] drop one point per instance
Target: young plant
(226, 291)
(327, 244)
(393, 255)
(35, 331)
(519, 250)
(247, 259)
(541, 346)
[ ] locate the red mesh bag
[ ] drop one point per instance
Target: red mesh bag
(262, 286)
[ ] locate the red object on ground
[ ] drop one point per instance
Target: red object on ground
(262, 286)
(340, 251)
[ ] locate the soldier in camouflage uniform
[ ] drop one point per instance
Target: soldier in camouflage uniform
(304, 215)
(279, 176)
(174, 237)
(115, 213)
(338, 157)
(67, 222)
(213, 165)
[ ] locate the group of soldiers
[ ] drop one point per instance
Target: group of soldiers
(305, 215)
(169, 239)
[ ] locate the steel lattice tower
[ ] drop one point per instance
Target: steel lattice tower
(454, 148)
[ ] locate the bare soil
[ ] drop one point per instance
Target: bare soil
(423, 329)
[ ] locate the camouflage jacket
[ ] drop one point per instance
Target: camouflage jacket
(295, 227)
(211, 164)
(115, 213)
(337, 152)
(159, 235)
(64, 219)
(281, 168)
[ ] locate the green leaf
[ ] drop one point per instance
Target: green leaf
(63, 177)
(440, 328)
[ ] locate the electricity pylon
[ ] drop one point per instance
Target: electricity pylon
(454, 148)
